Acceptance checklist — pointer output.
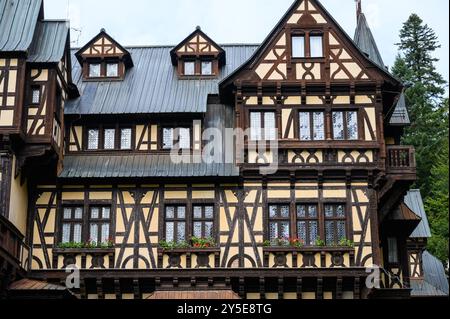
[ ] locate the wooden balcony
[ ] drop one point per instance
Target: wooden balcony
(401, 160)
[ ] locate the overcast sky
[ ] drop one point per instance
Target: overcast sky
(156, 22)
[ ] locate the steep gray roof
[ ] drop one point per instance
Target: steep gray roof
(49, 42)
(435, 282)
(413, 200)
(365, 41)
(152, 85)
(400, 115)
(18, 20)
(140, 166)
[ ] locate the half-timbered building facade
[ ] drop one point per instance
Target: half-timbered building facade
(88, 176)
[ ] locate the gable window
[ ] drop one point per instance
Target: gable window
(179, 138)
(308, 224)
(72, 221)
(189, 68)
(125, 138)
(279, 221)
(35, 95)
(99, 223)
(345, 125)
(109, 139)
(93, 138)
(94, 70)
(203, 221)
(312, 126)
(298, 46)
(175, 223)
(334, 224)
(316, 46)
(112, 69)
(207, 68)
(262, 126)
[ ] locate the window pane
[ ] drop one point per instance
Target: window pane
(341, 230)
(255, 126)
(285, 230)
(338, 125)
(352, 125)
(105, 233)
(392, 250)
(209, 212)
(329, 211)
(197, 212)
(170, 212)
(340, 211)
(125, 138)
(273, 230)
(273, 211)
(181, 212)
(313, 232)
(312, 211)
(93, 233)
(301, 231)
(301, 211)
(95, 212)
(106, 212)
(206, 67)
(209, 230)
(184, 138)
(94, 70)
(316, 46)
(110, 135)
(269, 126)
(112, 69)
(36, 96)
(305, 126)
(66, 233)
(197, 229)
(181, 235)
(167, 138)
(93, 139)
(169, 231)
(319, 126)
(189, 68)
(298, 47)
(284, 211)
(67, 213)
(78, 213)
(77, 233)
(329, 232)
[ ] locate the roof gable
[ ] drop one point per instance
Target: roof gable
(197, 43)
(103, 45)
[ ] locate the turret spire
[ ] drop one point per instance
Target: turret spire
(358, 8)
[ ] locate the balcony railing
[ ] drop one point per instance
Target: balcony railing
(401, 158)
(12, 246)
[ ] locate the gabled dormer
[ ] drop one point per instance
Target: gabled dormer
(104, 59)
(198, 56)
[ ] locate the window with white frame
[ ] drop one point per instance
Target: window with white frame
(72, 222)
(109, 139)
(112, 69)
(175, 223)
(99, 224)
(125, 138)
(189, 68)
(179, 138)
(207, 68)
(262, 126)
(93, 139)
(308, 223)
(95, 70)
(298, 46)
(279, 222)
(203, 221)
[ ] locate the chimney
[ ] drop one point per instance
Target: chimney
(358, 9)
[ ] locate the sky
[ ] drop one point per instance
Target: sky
(168, 22)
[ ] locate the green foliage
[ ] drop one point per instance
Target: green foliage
(320, 243)
(344, 242)
(428, 132)
(202, 242)
(87, 245)
(171, 245)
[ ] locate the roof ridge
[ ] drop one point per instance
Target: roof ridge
(155, 46)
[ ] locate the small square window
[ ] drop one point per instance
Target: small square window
(316, 46)
(189, 68)
(298, 47)
(207, 68)
(35, 95)
(110, 136)
(92, 139)
(94, 70)
(112, 70)
(125, 139)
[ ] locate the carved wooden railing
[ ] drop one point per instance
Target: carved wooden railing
(400, 158)
(12, 246)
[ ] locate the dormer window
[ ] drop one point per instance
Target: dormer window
(198, 56)
(103, 59)
(307, 45)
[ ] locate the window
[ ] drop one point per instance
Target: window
(262, 126)
(345, 125)
(125, 138)
(316, 46)
(189, 68)
(298, 47)
(335, 224)
(392, 250)
(35, 95)
(72, 221)
(92, 139)
(99, 221)
(308, 224)
(179, 138)
(207, 68)
(312, 126)
(94, 70)
(279, 221)
(203, 221)
(175, 223)
(109, 139)
(112, 69)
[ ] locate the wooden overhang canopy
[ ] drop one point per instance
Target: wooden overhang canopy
(402, 220)
(195, 295)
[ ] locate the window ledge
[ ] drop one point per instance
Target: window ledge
(308, 249)
(191, 250)
(62, 251)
